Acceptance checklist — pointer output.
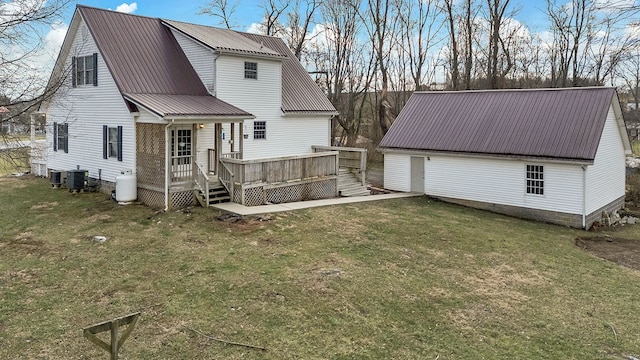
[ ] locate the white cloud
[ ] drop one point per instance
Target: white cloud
(255, 28)
(127, 8)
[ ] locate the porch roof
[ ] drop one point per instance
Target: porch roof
(187, 106)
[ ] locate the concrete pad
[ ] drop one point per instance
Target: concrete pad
(264, 209)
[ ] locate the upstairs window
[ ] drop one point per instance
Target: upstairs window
(85, 70)
(259, 129)
(250, 70)
(535, 179)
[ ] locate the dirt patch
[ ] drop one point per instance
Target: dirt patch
(625, 252)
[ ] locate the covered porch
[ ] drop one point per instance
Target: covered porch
(175, 159)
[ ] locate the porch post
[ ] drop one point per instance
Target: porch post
(233, 131)
(241, 137)
(218, 145)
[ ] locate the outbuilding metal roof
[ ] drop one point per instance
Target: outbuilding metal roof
(550, 123)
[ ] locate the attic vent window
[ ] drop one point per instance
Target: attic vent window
(250, 70)
(535, 179)
(85, 70)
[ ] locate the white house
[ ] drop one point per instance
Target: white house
(556, 155)
(168, 100)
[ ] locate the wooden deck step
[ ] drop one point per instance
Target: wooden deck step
(350, 185)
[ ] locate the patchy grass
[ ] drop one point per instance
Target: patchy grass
(16, 160)
(404, 279)
(635, 146)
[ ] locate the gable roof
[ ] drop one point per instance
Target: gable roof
(299, 92)
(223, 40)
(564, 124)
(144, 58)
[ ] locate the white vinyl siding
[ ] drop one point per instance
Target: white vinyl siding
(77, 107)
(487, 180)
(201, 58)
(262, 97)
(606, 177)
(397, 172)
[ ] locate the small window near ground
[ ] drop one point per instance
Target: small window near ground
(250, 70)
(259, 129)
(535, 179)
(113, 142)
(61, 137)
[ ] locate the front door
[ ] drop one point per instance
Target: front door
(417, 174)
(181, 153)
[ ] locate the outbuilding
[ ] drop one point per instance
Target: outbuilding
(555, 155)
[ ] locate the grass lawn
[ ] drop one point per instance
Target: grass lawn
(16, 160)
(402, 279)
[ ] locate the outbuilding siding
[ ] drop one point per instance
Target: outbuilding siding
(502, 182)
(606, 177)
(397, 172)
(79, 108)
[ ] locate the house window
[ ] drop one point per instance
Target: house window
(259, 129)
(250, 70)
(61, 137)
(535, 179)
(85, 70)
(112, 142)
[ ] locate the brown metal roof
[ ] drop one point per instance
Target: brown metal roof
(550, 123)
(167, 105)
(222, 40)
(299, 92)
(141, 53)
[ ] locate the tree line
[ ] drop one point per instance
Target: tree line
(370, 55)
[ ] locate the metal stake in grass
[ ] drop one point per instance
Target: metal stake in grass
(112, 325)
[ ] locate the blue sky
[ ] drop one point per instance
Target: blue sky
(249, 11)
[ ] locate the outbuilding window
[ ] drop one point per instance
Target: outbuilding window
(250, 70)
(535, 179)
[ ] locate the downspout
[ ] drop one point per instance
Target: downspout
(167, 178)
(584, 196)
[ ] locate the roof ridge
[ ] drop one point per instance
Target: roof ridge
(79, 6)
(516, 90)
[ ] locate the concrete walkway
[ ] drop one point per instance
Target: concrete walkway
(263, 209)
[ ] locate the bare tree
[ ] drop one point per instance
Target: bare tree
(224, 10)
(23, 84)
(381, 24)
(300, 17)
(273, 10)
(419, 29)
(498, 43)
(348, 65)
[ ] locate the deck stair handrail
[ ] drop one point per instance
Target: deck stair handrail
(227, 178)
(202, 182)
(350, 157)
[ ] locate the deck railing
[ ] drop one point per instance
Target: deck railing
(282, 179)
(202, 182)
(227, 179)
(212, 161)
(351, 158)
(283, 169)
(232, 155)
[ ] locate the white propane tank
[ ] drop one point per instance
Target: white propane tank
(126, 189)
